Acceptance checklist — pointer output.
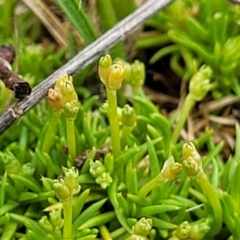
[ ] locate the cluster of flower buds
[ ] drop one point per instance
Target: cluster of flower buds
(128, 116)
(191, 160)
(54, 224)
(135, 73)
(194, 231)
(68, 186)
(63, 97)
(141, 229)
(200, 83)
(111, 74)
(170, 169)
(100, 173)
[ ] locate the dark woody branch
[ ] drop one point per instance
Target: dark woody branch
(87, 56)
(13, 82)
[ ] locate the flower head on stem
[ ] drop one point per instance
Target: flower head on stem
(62, 97)
(182, 230)
(100, 173)
(141, 229)
(70, 110)
(62, 93)
(128, 119)
(61, 190)
(199, 229)
(138, 73)
(192, 165)
(104, 180)
(46, 224)
(71, 179)
(129, 116)
(135, 73)
(169, 172)
(143, 226)
(195, 231)
(64, 190)
(171, 169)
(111, 74)
(200, 83)
(96, 168)
(56, 218)
(191, 162)
(55, 99)
(198, 88)
(104, 68)
(116, 76)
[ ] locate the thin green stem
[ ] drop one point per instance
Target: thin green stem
(146, 188)
(187, 106)
(71, 140)
(67, 212)
(114, 122)
(51, 131)
(212, 197)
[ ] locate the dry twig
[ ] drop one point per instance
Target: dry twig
(83, 58)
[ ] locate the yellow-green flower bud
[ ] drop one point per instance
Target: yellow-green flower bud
(138, 73)
(104, 180)
(200, 83)
(62, 93)
(61, 190)
(135, 73)
(183, 230)
(45, 223)
(191, 167)
(71, 109)
(142, 227)
(171, 169)
(96, 168)
(129, 116)
(189, 150)
(199, 230)
(71, 178)
(56, 218)
(116, 76)
(55, 99)
(104, 69)
(67, 88)
(128, 72)
(111, 74)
